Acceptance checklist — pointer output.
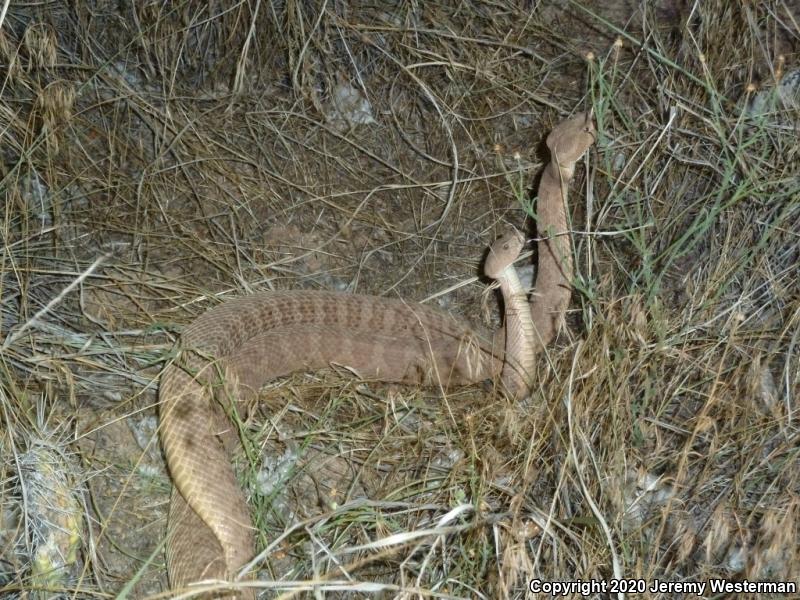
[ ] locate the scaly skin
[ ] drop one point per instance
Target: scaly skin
(242, 343)
(567, 142)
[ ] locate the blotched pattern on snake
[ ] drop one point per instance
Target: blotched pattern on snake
(244, 342)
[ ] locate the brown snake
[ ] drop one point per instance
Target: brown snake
(234, 348)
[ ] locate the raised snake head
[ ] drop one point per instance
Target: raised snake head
(503, 252)
(569, 140)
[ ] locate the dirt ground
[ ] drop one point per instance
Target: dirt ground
(158, 158)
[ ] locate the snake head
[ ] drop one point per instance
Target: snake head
(570, 139)
(503, 252)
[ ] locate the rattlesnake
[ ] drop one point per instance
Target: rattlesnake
(234, 348)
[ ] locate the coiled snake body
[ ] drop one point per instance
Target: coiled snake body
(236, 347)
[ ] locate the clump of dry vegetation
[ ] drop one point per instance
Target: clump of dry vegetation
(160, 157)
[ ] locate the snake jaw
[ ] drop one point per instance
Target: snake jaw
(570, 139)
(503, 252)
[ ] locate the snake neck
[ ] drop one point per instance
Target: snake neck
(556, 270)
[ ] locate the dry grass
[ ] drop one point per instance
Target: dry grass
(157, 161)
